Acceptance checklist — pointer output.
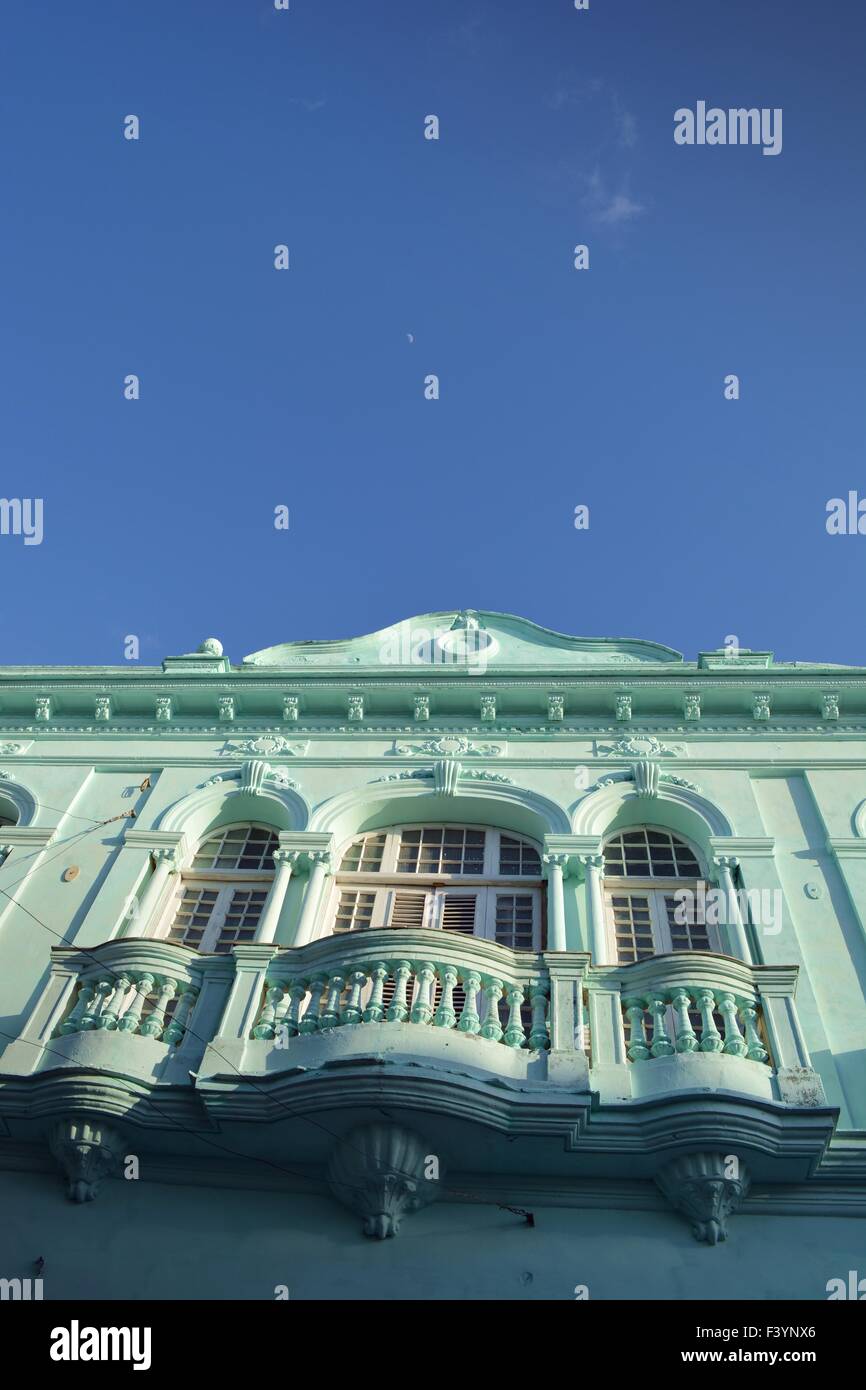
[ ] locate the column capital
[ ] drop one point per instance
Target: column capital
(725, 861)
(289, 857)
(165, 854)
(591, 861)
(319, 858)
(556, 861)
(310, 846)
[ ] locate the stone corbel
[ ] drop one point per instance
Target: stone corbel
(706, 1188)
(383, 1172)
(87, 1150)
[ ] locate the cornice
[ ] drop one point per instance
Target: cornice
(32, 836)
(846, 847)
(600, 675)
(781, 728)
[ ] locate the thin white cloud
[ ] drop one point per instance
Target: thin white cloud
(626, 125)
(608, 206)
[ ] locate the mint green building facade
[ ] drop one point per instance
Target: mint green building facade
(320, 971)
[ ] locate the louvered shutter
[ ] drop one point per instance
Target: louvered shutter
(458, 912)
(408, 909)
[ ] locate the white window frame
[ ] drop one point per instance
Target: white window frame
(386, 881)
(225, 882)
(434, 905)
(655, 890)
(225, 896)
(490, 864)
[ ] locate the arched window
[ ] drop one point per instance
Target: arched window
(470, 879)
(222, 893)
(644, 870)
(6, 820)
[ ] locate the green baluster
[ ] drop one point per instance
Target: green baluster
(491, 1028)
(110, 1014)
(734, 1043)
(330, 1015)
(711, 1038)
(661, 1043)
(179, 1019)
(281, 1013)
(515, 1035)
(686, 1039)
(352, 1010)
(153, 1024)
(310, 1022)
(130, 1020)
(446, 1016)
(638, 1048)
(399, 1009)
(90, 1018)
(374, 1012)
(297, 995)
(756, 1050)
(422, 1009)
(265, 1029)
(538, 1035)
(85, 997)
(469, 1020)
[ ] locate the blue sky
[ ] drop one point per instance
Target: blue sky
(558, 387)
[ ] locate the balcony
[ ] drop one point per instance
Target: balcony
(585, 1071)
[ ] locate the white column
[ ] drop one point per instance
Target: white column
(166, 862)
(593, 865)
(321, 863)
(737, 939)
(556, 864)
(284, 862)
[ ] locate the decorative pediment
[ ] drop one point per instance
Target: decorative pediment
(474, 639)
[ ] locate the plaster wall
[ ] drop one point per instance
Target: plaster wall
(141, 1240)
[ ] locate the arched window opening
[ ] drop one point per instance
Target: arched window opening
(471, 879)
(222, 894)
(651, 895)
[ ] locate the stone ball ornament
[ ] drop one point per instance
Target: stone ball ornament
(211, 646)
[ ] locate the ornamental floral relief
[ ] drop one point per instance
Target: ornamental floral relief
(450, 746)
(268, 745)
(639, 746)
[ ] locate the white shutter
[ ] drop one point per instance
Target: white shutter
(408, 909)
(458, 912)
